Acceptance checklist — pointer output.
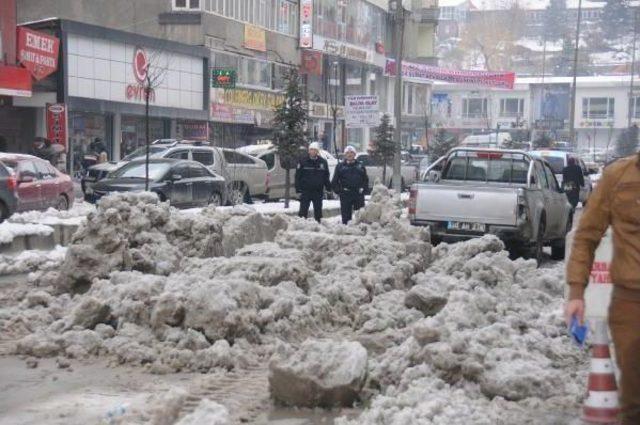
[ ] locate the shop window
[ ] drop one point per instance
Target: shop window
(186, 4)
(511, 107)
(635, 107)
(474, 108)
(203, 157)
(598, 107)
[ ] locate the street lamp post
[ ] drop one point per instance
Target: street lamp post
(572, 118)
(333, 98)
(632, 102)
(396, 7)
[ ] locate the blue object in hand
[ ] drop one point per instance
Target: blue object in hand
(578, 331)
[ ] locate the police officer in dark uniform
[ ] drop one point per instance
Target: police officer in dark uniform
(312, 178)
(350, 182)
(572, 181)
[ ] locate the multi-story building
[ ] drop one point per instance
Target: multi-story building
(536, 105)
(245, 47)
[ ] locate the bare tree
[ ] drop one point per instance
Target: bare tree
(493, 36)
(154, 77)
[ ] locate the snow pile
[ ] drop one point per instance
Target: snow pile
(73, 216)
(32, 260)
(138, 232)
(491, 350)
(383, 207)
(208, 412)
(9, 231)
(455, 335)
(320, 373)
(210, 312)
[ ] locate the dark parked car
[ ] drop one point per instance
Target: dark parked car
(183, 183)
(34, 183)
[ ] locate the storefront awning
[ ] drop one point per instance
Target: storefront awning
(15, 81)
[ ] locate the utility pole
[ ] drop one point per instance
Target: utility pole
(632, 102)
(396, 7)
(572, 117)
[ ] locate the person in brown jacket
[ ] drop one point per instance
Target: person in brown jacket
(616, 203)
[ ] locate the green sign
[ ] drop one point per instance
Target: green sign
(223, 78)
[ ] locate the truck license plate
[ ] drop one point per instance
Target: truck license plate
(467, 227)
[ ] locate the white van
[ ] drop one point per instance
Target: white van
(490, 140)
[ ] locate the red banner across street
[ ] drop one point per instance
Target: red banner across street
(38, 52)
(503, 80)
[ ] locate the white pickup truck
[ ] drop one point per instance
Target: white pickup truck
(507, 193)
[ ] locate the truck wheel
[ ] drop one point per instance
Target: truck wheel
(237, 193)
(215, 199)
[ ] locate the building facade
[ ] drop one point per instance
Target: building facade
(538, 106)
(340, 46)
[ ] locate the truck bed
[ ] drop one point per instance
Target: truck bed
(449, 201)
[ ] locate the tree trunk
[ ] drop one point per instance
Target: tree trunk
(384, 172)
(287, 188)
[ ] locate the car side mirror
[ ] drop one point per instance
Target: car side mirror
(26, 178)
(434, 176)
(176, 177)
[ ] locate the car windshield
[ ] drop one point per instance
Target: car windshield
(496, 167)
(157, 170)
(556, 163)
(154, 151)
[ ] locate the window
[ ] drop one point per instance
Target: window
(181, 154)
(511, 107)
(269, 159)
(274, 15)
(27, 168)
(544, 183)
(553, 183)
(197, 171)
(492, 167)
(634, 104)
(254, 73)
(235, 158)
(474, 108)
(203, 157)
(186, 4)
(45, 170)
(598, 107)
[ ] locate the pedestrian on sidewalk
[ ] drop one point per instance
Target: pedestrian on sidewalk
(312, 178)
(572, 181)
(616, 203)
(350, 181)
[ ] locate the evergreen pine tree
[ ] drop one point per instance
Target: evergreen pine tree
(555, 20)
(441, 144)
(627, 143)
(289, 127)
(616, 19)
(384, 145)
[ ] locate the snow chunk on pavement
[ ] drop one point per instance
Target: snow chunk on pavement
(9, 231)
(322, 373)
(208, 412)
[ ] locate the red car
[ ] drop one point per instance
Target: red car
(36, 184)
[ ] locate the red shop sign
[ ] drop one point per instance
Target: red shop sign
(38, 52)
(57, 123)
